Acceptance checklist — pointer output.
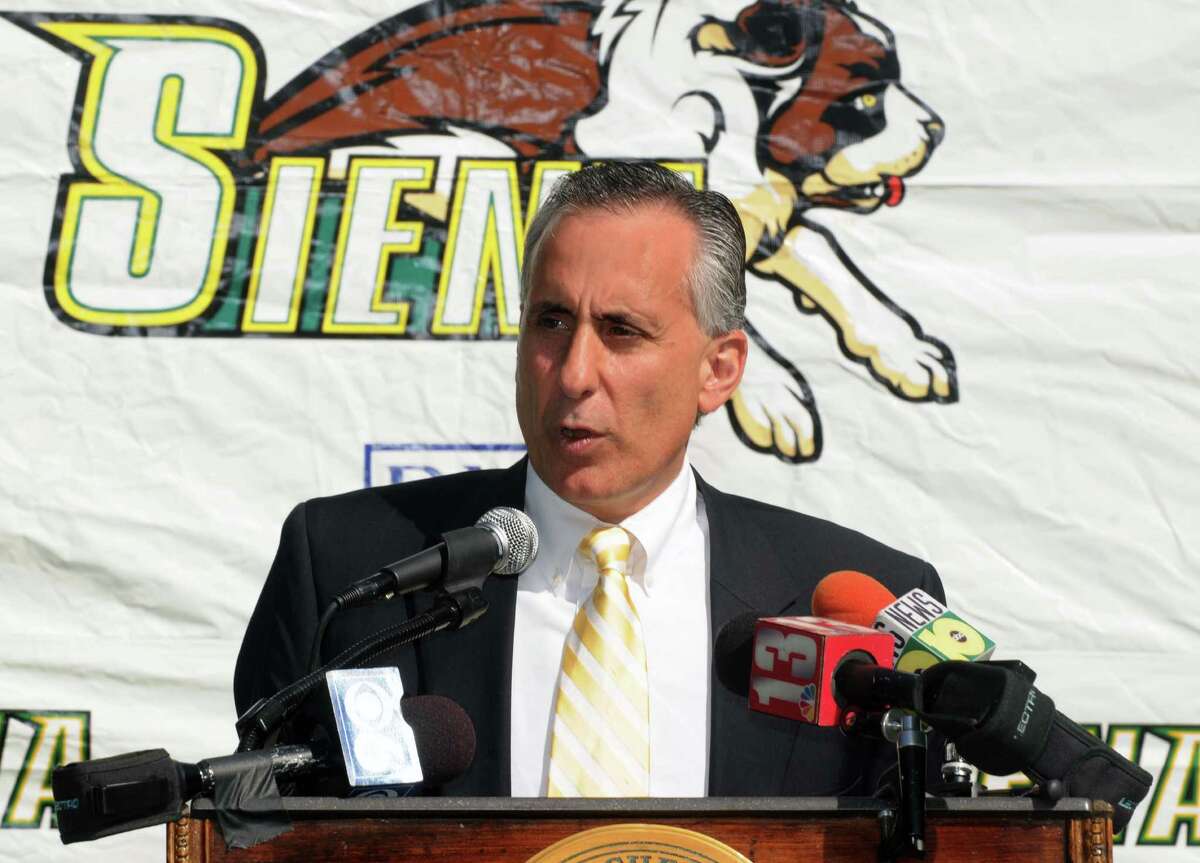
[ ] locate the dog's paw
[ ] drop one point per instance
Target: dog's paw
(913, 366)
(773, 411)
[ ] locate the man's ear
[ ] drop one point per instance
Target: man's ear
(721, 370)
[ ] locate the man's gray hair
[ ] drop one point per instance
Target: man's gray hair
(717, 278)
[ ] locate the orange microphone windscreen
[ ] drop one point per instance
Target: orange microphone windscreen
(850, 597)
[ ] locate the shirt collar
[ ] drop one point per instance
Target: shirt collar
(562, 525)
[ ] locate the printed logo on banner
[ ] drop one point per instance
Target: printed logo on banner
(32, 744)
(389, 463)
(386, 189)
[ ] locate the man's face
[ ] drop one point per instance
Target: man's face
(612, 365)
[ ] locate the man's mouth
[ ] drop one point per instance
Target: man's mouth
(576, 433)
(578, 440)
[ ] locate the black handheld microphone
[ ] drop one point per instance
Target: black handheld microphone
(733, 653)
(504, 541)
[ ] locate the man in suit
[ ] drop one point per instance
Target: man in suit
(587, 676)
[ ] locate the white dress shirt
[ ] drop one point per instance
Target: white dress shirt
(669, 585)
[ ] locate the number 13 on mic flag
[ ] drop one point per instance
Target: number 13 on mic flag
(795, 659)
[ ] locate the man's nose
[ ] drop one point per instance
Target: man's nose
(577, 374)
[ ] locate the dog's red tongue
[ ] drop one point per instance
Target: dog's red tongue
(895, 191)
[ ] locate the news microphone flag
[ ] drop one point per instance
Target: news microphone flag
(925, 632)
(795, 659)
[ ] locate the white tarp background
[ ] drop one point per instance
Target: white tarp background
(1052, 242)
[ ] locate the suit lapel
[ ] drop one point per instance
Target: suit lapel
(745, 575)
(474, 666)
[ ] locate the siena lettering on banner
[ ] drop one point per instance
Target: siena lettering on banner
(1170, 815)
(375, 195)
(32, 744)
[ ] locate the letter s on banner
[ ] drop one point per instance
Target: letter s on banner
(143, 232)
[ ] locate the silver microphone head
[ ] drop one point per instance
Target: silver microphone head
(517, 537)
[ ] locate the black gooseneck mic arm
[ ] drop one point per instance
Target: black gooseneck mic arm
(449, 611)
(469, 550)
(503, 541)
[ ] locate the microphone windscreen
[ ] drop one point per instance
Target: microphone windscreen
(445, 736)
(520, 538)
(733, 653)
(850, 596)
(1087, 767)
(997, 718)
(105, 796)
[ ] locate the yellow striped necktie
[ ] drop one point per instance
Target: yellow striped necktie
(601, 740)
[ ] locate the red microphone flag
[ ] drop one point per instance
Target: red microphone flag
(794, 662)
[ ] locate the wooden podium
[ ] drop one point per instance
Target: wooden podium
(763, 830)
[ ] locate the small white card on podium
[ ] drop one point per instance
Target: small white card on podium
(377, 744)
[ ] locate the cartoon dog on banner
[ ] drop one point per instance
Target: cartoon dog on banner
(795, 104)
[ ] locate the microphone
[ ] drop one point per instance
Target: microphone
(845, 595)
(733, 653)
(106, 796)
(926, 633)
(851, 597)
(990, 710)
(1002, 723)
(504, 541)
(445, 736)
(856, 597)
(817, 670)
(809, 669)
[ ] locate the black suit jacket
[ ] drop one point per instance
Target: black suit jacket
(761, 558)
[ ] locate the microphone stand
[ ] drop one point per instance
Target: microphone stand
(904, 838)
(450, 610)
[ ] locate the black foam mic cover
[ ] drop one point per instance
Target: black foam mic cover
(445, 736)
(104, 796)
(733, 653)
(1087, 767)
(1003, 724)
(996, 717)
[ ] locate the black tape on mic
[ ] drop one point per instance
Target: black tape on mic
(249, 808)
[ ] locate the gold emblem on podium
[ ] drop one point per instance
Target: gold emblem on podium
(638, 843)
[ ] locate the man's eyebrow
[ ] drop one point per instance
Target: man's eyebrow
(627, 319)
(544, 306)
(616, 317)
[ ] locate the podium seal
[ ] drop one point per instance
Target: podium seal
(638, 843)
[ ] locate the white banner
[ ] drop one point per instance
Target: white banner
(229, 285)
